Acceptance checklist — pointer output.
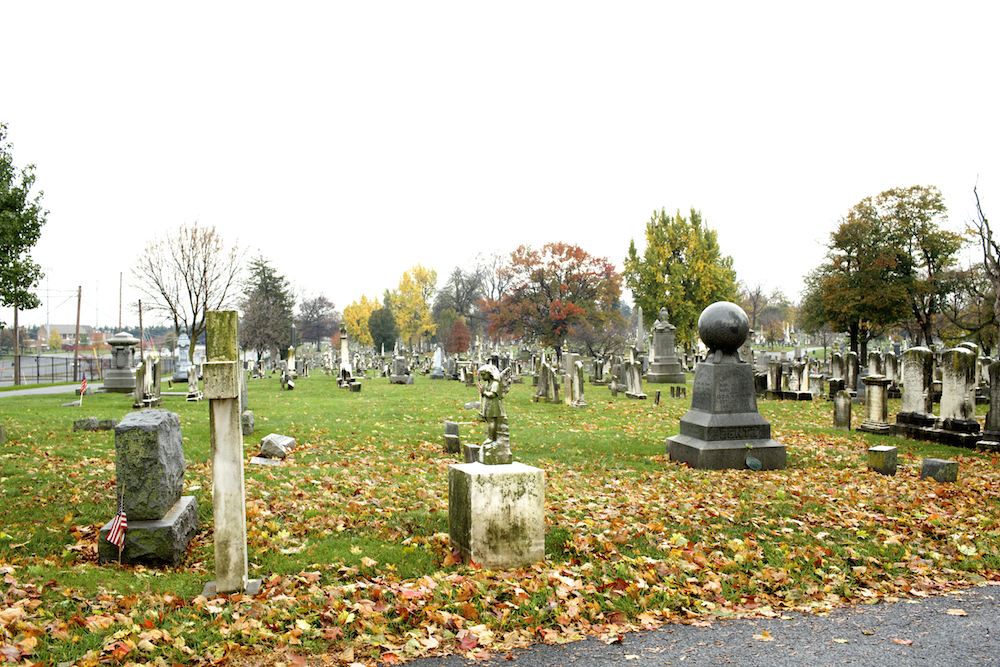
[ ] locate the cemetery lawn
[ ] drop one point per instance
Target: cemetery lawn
(349, 534)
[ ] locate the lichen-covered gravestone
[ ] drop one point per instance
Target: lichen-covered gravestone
(723, 429)
(496, 507)
(149, 465)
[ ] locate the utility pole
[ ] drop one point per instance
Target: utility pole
(76, 343)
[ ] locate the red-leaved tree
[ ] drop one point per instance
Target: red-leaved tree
(551, 290)
(459, 338)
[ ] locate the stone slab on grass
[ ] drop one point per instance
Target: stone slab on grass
(496, 514)
(276, 446)
(159, 542)
(939, 470)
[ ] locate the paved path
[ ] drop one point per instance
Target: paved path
(865, 635)
(56, 389)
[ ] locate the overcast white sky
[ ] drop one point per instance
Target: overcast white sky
(347, 142)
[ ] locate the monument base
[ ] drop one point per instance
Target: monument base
(955, 432)
(726, 454)
(159, 542)
(496, 514)
(400, 379)
(877, 428)
(437, 375)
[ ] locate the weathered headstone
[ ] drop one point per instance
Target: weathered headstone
(991, 434)
(183, 358)
(842, 410)
(664, 366)
(452, 439)
(723, 428)
(149, 467)
(437, 373)
(222, 388)
(882, 459)
(939, 470)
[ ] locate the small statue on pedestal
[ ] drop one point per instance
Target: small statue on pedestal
(495, 385)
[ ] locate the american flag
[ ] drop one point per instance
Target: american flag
(83, 386)
(118, 525)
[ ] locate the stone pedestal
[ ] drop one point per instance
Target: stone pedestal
(496, 514)
(723, 427)
(876, 405)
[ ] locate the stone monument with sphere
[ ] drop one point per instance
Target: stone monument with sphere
(723, 429)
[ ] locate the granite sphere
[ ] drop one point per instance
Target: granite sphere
(723, 326)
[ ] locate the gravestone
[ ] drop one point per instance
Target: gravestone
(633, 375)
(723, 428)
(774, 389)
(400, 371)
(837, 366)
(842, 409)
(438, 371)
(851, 372)
(149, 469)
(876, 405)
(939, 470)
(882, 459)
(991, 434)
(452, 439)
(120, 377)
(222, 388)
(578, 385)
(183, 358)
(664, 366)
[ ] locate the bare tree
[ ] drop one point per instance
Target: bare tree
(188, 274)
(318, 319)
(991, 252)
(754, 300)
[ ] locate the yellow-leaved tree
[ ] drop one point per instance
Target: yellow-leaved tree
(681, 268)
(411, 303)
(356, 319)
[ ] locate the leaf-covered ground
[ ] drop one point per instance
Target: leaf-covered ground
(349, 535)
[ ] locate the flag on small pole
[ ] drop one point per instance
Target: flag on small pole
(116, 535)
(83, 388)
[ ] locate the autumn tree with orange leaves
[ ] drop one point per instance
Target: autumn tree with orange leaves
(552, 290)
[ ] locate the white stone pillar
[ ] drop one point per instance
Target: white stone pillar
(222, 388)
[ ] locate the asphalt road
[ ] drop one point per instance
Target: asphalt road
(918, 631)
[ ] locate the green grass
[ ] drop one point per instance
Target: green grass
(358, 513)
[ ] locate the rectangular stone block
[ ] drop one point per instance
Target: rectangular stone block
(496, 514)
(939, 470)
(149, 463)
(222, 379)
(882, 459)
(158, 542)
